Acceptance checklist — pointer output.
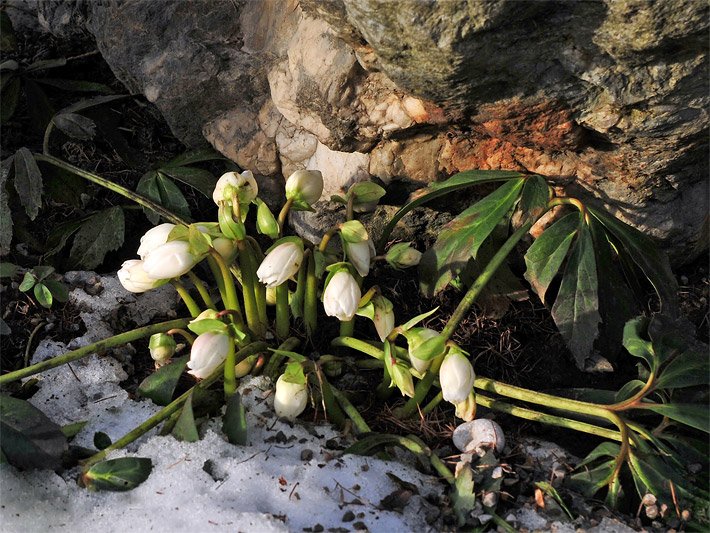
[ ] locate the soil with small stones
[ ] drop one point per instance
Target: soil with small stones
(521, 347)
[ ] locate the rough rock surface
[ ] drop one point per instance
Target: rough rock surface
(609, 97)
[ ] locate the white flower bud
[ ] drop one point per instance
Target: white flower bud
(133, 277)
(244, 184)
(162, 347)
(153, 238)
(456, 377)
(280, 264)
(341, 297)
(415, 338)
(169, 260)
(383, 316)
(290, 399)
(226, 248)
(208, 352)
(304, 187)
(360, 254)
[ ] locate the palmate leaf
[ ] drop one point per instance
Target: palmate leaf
(160, 189)
(652, 475)
(439, 189)
(185, 429)
(463, 236)
(194, 156)
(75, 125)
(533, 200)
(160, 385)
(642, 250)
(199, 179)
(122, 474)
(234, 422)
(28, 182)
(576, 308)
(690, 414)
(101, 233)
(546, 255)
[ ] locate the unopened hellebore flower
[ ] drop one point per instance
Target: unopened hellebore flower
(290, 399)
(153, 238)
(456, 376)
(341, 297)
(162, 347)
(208, 352)
(402, 255)
(226, 248)
(169, 260)
(304, 187)
(383, 316)
(281, 264)
(134, 278)
(243, 184)
(360, 254)
(415, 338)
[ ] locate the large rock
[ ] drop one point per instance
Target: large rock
(608, 98)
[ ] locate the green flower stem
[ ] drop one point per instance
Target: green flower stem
(300, 294)
(47, 135)
(536, 416)
(331, 407)
(326, 238)
(179, 331)
(96, 347)
(360, 346)
(173, 406)
(350, 410)
(347, 328)
(230, 376)
(282, 311)
(185, 295)
(310, 302)
(475, 290)
(218, 278)
(204, 293)
(460, 312)
(249, 282)
(126, 193)
(436, 400)
(349, 207)
(259, 288)
(231, 300)
(272, 367)
(370, 364)
(283, 214)
(415, 445)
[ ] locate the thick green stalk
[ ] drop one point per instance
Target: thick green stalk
(272, 367)
(230, 376)
(230, 291)
(436, 400)
(350, 410)
(95, 347)
(127, 193)
(361, 346)
(204, 293)
(283, 214)
(310, 302)
(283, 326)
(185, 295)
(173, 406)
(259, 288)
(332, 409)
(249, 282)
(219, 280)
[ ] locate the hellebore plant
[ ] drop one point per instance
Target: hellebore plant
(590, 252)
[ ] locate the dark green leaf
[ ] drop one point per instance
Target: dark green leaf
(589, 481)
(673, 336)
(28, 182)
(59, 235)
(547, 488)
(643, 251)
(693, 415)
(605, 449)
(58, 289)
(9, 97)
(617, 302)
(7, 33)
(635, 341)
(8, 270)
(436, 190)
(44, 64)
(197, 178)
(71, 430)
(79, 86)
(101, 440)
(576, 308)
(121, 474)
(100, 234)
(62, 186)
(29, 438)
(5, 215)
(194, 156)
(93, 102)
(234, 422)
(75, 126)
(546, 255)
(628, 390)
(28, 281)
(42, 271)
(534, 198)
(185, 429)
(43, 295)
(160, 385)
(652, 475)
(161, 190)
(686, 370)
(463, 236)
(39, 107)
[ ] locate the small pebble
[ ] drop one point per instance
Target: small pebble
(306, 455)
(349, 516)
